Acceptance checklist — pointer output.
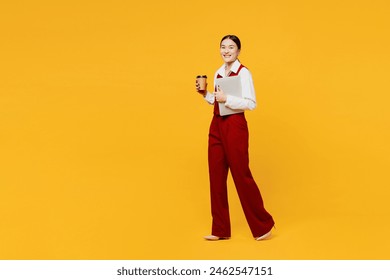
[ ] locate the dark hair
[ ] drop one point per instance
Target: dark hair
(234, 38)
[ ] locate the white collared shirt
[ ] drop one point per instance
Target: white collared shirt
(248, 100)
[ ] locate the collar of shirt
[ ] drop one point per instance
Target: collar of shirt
(234, 68)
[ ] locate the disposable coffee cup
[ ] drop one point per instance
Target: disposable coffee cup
(202, 81)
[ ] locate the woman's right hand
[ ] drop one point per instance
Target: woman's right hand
(202, 92)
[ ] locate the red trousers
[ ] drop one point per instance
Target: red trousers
(228, 149)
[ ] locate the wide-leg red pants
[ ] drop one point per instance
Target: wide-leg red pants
(228, 148)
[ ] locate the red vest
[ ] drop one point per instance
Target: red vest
(231, 74)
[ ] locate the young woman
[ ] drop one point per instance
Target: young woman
(228, 149)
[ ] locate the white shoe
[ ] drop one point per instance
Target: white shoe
(214, 238)
(264, 237)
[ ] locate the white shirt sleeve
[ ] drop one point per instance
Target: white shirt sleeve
(248, 100)
(209, 97)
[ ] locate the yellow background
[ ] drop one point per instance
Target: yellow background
(103, 139)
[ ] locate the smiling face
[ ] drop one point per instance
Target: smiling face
(229, 51)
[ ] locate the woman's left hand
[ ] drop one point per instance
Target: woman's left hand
(220, 96)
